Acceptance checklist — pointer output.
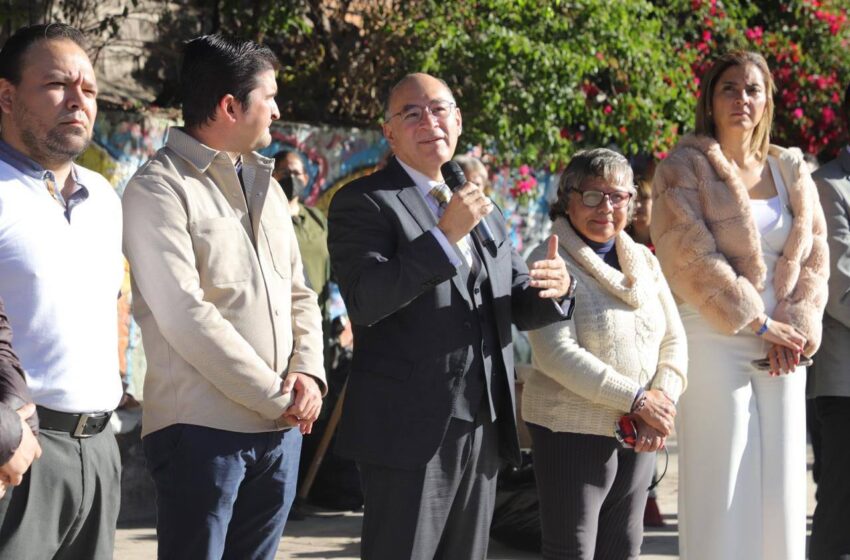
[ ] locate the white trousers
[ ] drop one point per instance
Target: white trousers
(742, 452)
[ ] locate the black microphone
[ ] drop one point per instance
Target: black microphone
(455, 178)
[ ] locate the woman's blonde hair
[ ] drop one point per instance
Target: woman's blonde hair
(760, 141)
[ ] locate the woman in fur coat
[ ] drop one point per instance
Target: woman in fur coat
(741, 239)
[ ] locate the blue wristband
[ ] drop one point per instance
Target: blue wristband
(764, 327)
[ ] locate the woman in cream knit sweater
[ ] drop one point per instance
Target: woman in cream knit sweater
(624, 351)
(740, 235)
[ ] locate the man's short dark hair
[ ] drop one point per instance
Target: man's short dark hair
(12, 54)
(214, 66)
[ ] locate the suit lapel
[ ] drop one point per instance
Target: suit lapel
(488, 259)
(415, 204)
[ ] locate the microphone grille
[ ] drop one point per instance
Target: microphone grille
(453, 174)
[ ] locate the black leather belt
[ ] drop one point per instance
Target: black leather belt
(81, 425)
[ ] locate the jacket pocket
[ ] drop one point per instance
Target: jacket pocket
(277, 238)
(223, 252)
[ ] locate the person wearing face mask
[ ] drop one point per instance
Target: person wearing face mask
(741, 238)
(623, 353)
(311, 226)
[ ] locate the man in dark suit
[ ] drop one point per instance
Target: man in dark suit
(18, 420)
(429, 412)
(829, 383)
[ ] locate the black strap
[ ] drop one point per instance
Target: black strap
(79, 425)
(655, 481)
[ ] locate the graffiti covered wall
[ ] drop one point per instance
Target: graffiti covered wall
(333, 156)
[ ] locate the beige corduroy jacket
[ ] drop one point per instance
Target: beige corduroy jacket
(710, 248)
(218, 291)
(625, 334)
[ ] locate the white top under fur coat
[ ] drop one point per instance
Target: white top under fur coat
(625, 333)
(709, 246)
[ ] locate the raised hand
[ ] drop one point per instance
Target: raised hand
(550, 274)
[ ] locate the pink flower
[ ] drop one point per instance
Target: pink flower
(754, 34)
(608, 110)
(797, 113)
(523, 169)
(828, 115)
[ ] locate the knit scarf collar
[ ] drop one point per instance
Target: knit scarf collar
(631, 284)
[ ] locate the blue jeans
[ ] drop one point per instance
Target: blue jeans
(220, 494)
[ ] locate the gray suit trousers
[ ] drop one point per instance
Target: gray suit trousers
(440, 511)
(67, 506)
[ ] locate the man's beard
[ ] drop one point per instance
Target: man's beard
(56, 147)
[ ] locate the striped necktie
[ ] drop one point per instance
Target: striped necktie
(443, 195)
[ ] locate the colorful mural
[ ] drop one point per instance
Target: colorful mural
(333, 156)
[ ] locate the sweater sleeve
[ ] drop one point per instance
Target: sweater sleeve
(698, 273)
(557, 354)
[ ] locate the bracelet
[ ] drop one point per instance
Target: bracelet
(764, 327)
(639, 402)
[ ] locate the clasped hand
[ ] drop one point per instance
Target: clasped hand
(306, 405)
(658, 412)
(648, 439)
(787, 345)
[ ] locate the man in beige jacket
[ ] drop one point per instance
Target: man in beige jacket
(231, 331)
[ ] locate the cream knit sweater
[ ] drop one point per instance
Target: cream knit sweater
(625, 333)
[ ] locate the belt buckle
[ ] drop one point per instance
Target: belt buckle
(79, 432)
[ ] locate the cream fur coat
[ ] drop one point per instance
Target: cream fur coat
(710, 248)
(625, 333)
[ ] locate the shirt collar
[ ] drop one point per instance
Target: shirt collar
(201, 156)
(21, 162)
(28, 166)
(422, 182)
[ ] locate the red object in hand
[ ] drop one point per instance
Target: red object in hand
(625, 431)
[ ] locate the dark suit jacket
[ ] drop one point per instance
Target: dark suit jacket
(13, 392)
(830, 374)
(413, 320)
